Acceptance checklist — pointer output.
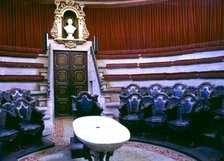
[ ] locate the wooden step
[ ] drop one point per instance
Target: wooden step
(112, 104)
(38, 93)
(21, 49)
(21, 65)
(18, 54)
(42, 101)
(167, 63)
(22, 78)
(164, 76)
(159, 52)
(42, 109)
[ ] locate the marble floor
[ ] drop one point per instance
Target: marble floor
(131, 151)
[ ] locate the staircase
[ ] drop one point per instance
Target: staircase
(26, 68)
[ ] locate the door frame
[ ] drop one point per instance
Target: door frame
(70, 68)
(93, 83)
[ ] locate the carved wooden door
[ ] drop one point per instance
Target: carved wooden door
(70, 78)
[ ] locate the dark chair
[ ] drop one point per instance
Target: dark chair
(144, 91)
(1, 97)
(84, 104)
(193, 90)
(179, 89)
(168, 90)
(182, 127)
(131, 88)
(126, 91)
(16, 93)
(156, 123)
(131, 114)
(205, 115)
(217, 101)
(172, 106)
(148, 102)
(31, 123)
(155, 88)
(8, 124)
(205, 89)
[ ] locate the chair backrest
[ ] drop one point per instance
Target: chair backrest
(205, 89)
(6, 109)
(147, 101)
(24, 109)
(217, 97)
(144, 91)
(192, 89)
(1, 97)
(16, 93)
(173, 102)
(218, 91)
(168, 90)
(160, 100)
(155, 88)
(188, 105)
(3, 115)
(85, 104)
(179, 89)
(134, 103)
(131, 88)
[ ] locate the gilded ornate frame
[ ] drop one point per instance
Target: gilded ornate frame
(57, 29)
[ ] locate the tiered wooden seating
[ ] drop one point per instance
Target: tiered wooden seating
(158, 52)
(20, 52)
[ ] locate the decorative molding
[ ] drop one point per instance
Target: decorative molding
(57, 28)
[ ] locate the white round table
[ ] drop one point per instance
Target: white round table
(101, 134)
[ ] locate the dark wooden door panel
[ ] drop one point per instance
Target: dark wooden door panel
(79, 72)
(70, 78)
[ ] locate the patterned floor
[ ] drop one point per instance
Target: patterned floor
(131, 151)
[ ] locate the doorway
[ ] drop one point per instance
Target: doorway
(70, 78)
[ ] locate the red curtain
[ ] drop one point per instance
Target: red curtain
(162, 24)
(24, 22)
(169, 23)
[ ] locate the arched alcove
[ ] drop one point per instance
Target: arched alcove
(64, 11)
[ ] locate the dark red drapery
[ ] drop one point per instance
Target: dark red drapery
(23, 22)
(167, 23)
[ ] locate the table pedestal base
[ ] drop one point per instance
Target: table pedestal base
(101, 156)
(98, 156)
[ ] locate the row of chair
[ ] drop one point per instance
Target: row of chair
(182, 112)
(177, 90)
(14, 94)
(20, 120)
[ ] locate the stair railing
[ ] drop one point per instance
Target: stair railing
(96, 69)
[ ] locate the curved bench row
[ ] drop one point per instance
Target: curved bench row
(181, 111)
